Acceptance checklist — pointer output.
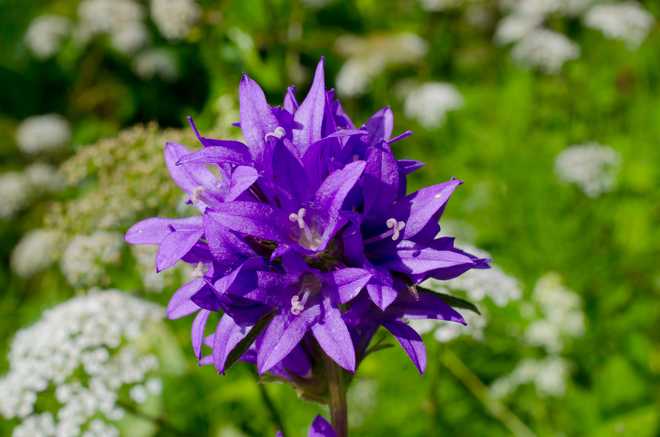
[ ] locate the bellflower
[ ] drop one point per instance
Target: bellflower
(306, 242)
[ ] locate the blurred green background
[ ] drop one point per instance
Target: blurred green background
(495, 112)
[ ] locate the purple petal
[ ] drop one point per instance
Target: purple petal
(223, 244)
(242, 179)
(349, 282)
(283, 334)
(381, 290)
(408, 166)
(233, 152)
(252, 218)
(425, 305)
(310, 112)
(333, 337)
(197, 332)
(414, 260)
(188, 176)
(257, 119)
(175, 246)
(333, 191)
(180, 304)
(227, 335)
(154, 230)
(380, 125)
(290, 103)
(321, 428)
(410, 341)
(381, 181)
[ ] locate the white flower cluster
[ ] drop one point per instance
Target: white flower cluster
(539, 47)
(368, 57)
(37, 250)
(156, 63)
(626, 21)
(43, 133)
(440, 5)
(546, 50)
(121, 20)
(175, 18)
(429, 103)
(86, 257)
(492, 284)
(18, 189)
(84, 351)
(548, 375)
(561, 314)
(145, 255)
(591, 166)
(45, 35)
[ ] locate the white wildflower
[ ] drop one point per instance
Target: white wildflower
(145, 256)
(561, 314)
(446, 331)
(122, 20)
(548, 376)
(591, 166)
(45, 35)
(368, 57)
(37, 250)
(84, 351)
(43, 133)
(85, 258)
(440, 5)
(429, 103)
(156, 63)
(545, 50)
(15, 192)
(514, 27)
(44, 178)
(626, 21)
(174, 18)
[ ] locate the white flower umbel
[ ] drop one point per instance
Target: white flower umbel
(45, 35)
(175, 18)
(548, 376)
(159, 63)
(429, 103)
(35, 252)
(44, 178)
(626, 21)
(83, 352)
(591, 166)
(367, 57)
(15, 193)
(546, 50)
(514, 27)
(86, 257)
(560, 311)
(121, 20)
(43, 133)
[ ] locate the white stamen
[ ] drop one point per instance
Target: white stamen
(196, 193)
(395, 226)
(278, 133)
(298, 304)
(199, 270)
(299, 217)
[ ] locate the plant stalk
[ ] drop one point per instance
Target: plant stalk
(337, 403)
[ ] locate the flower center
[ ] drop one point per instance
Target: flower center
(394, 231)
(278, 133)
(310, 286)
(308, 237)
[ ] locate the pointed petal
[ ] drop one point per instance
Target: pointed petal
(223, 244)
(180, 304)
(349, 282)
(257, 119)
(321, 428)
(154, 230)
(333, 337)
(333, 191)
(380, 125)
(188, 176)
(423, 208)
(175, 246)
(381, 290)
(310, 112)
(380, 183)
(282, 335)
(242, 179)
(408, 166)
(414, 260)
(233, 152)
(289, 177)
(426, 305)
(227, 335)
(410, 341)
(290, 102)
(197, 332)
(252, 218)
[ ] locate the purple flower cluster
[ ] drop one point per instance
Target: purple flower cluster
(307, 242)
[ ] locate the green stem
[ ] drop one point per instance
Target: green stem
(337, 390)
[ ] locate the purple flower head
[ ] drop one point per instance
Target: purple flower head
(306, 242)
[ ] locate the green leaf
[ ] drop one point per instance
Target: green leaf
(245, 344)
(453, 301)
